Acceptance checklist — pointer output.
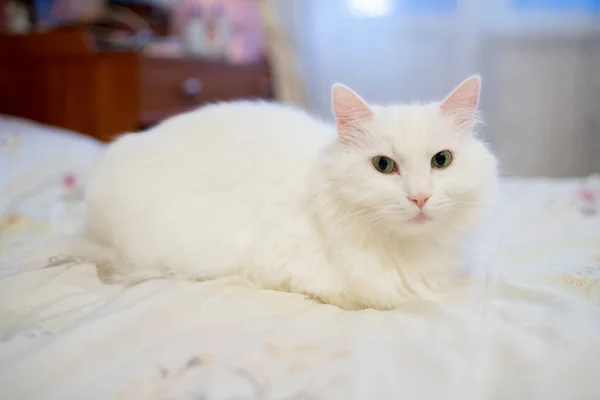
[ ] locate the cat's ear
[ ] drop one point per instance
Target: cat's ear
(462, 103)
(348, 109)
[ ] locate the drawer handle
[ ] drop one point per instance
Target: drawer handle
(191, 88)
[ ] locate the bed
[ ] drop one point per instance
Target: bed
(529, 328)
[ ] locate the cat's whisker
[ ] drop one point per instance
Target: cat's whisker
(354, 220)
(359, 217)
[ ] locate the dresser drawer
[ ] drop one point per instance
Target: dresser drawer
(171, 85)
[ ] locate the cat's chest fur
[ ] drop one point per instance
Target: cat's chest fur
(288, 251)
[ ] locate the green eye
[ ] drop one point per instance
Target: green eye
(441, 160)
(384, 164)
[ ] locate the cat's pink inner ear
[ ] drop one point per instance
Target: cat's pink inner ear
(348, 108)
(463, 101)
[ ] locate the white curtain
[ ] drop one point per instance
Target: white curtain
(540, 67)
(284, 48)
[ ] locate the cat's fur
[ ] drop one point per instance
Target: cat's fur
(268, 192)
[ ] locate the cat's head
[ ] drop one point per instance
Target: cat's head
(411, 169)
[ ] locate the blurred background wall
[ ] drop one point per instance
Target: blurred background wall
(539, 60)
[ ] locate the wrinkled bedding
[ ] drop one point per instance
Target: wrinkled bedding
(527, 328)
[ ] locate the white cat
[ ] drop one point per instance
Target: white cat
(366, 214)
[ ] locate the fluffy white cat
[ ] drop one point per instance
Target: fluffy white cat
(365, 214)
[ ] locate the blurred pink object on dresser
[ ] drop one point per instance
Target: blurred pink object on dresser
(81, 11)
(245, 44)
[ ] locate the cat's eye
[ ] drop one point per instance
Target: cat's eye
(384, 164)
(441, 160)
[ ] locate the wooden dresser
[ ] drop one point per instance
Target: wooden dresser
(57, 78)
(172, 85)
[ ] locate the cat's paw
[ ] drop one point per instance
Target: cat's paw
(110, 274)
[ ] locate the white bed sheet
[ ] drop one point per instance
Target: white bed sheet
(530, 329)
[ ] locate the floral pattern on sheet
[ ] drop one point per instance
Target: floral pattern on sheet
(549, 233)
(583, 278)
(247, 377)
(589, 197)
(20, 223)
(41, 185)
(585, 281)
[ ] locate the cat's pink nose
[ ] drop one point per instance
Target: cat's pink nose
(419, 199)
